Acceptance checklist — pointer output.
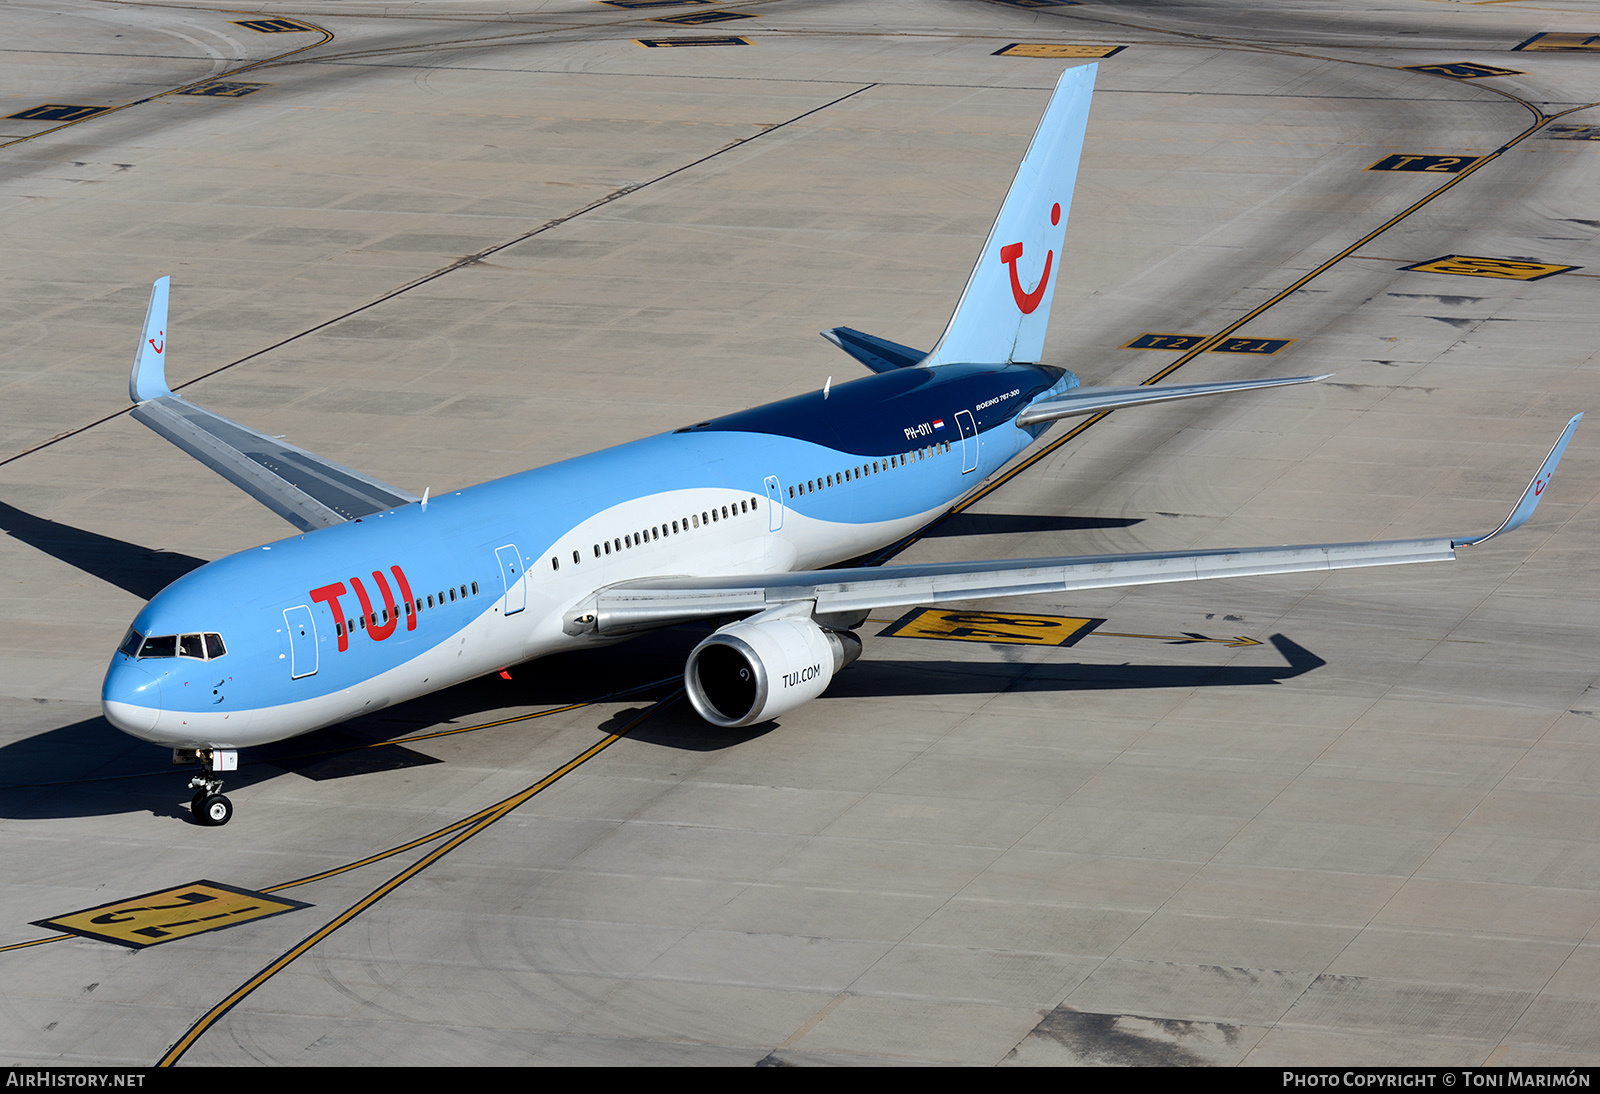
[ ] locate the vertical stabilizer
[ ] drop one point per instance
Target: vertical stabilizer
(1006, 305)
(149, 378)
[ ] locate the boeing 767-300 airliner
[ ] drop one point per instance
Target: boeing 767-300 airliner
(386, 596)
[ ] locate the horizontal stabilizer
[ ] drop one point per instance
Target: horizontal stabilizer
(1095, 400)
(878, 354)
(303, 488)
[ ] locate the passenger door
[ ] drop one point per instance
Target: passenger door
(969, 440)
(302, 628)
(511, 573)
(774, 504)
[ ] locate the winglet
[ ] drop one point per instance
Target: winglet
(149, 378)
(1530, 497)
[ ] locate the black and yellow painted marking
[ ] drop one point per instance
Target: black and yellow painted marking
(58, 112)
(1251, 345)
(1166, 341)
(1464, 70)
(327, 36)
(1512, 269)
(695, 40)
(633, 4)
(464, 830)
(420, 840)
(1438, 165)
(701, 18)
(170, 914)
(1573, 132)
(1540, 120)
(1004, 627)
(1031, 4)
(1218, 345)
(1561, 42)
(222, 89)
(274, 26)
(1056, 49)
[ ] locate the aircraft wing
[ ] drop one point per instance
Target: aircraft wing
(303, 488)
(641, 605)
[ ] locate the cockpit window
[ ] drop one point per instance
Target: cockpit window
(130, 644)
(201, 647)
(164, 645)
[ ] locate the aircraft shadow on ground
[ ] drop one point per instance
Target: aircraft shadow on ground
(138, 570)
(90, 768)
(1001, 524)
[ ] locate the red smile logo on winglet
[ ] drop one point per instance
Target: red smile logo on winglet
(1028, 301)
(163, 337)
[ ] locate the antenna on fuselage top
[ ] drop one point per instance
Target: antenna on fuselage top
(425, 490)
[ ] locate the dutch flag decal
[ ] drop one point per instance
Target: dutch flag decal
(939, 423)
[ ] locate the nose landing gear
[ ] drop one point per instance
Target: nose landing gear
(209, 805)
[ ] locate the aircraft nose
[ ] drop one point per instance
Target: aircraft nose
(130, 697)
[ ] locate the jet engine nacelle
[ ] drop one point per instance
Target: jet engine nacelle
(764, 666)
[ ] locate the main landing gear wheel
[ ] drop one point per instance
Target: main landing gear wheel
(211, 809)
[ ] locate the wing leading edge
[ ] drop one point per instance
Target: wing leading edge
(303, 488)
(637, 606)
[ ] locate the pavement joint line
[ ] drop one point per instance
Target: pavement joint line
(381, 855)
(459, 264)
(1541, 119)
(468, 827)
(106, 113)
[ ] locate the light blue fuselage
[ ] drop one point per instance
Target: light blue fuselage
(805, 482)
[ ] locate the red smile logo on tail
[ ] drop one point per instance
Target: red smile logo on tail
(1028, 301)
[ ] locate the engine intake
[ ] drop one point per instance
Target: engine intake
(764, 666)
